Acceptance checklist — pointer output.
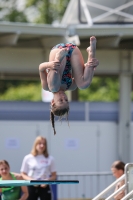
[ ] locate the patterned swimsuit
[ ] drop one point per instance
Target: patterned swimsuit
(67, 76)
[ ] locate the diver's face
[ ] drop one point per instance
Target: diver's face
(60, 99)
(117, 172)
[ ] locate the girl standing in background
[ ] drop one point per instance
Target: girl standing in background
(39, 165)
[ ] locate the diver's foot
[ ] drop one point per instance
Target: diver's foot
(92, 48)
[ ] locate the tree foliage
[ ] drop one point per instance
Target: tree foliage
(48, 10)
(15, 16)
(101, 89)
(20, 91)
(10, 12)
(104, 89)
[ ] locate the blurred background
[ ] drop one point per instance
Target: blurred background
(100, 127)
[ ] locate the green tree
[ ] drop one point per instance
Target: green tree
(10, 12)
(48, 10)
(20, 91)
(101, 89)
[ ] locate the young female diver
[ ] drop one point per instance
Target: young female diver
(66, 71)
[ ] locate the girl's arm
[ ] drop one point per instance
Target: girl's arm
(43, 77)
(73, 85)
(52, 178)
(121, 194)
(51, 66)
(25, 193)
(17, 175)
(54, 76)
(52, 80)
(25, 176)
(24, 189)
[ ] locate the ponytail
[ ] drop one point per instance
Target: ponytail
(52, 121)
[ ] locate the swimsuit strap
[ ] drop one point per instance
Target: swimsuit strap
(5, 189)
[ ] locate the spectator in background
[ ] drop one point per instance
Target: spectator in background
(117, 171)
(39, 165)
(12, 193)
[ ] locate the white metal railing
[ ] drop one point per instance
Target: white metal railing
(108, 11)
(128, 195)
(90, 183)
(116, 192)
(109, 188)
(127, 187)
(83, 174)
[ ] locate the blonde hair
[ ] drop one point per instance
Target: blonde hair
(55, 111)
(37, 140)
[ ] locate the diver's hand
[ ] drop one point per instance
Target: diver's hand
(93, 62)
(54, 65)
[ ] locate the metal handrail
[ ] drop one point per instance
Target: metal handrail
(86, 182)
(82, 173)
(127, 195)
(116, 192)
(109, 187)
